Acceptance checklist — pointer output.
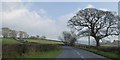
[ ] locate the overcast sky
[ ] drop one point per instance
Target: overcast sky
(60, 0)
(45, 18)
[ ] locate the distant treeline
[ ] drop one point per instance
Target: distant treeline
(9, 33)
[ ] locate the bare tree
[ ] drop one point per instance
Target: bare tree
(37, 36)
(119, 23)
(21, 34)
(13, 34)
(43, 37)
(61, 38)
(25, 35)
(119, 30)
(5, 32)
(68, 38)
(96, 23)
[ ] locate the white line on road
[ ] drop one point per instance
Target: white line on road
(82, 57)
(79, 54)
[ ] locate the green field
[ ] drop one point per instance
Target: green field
(9, 41)
(43, 41)
(13, 41)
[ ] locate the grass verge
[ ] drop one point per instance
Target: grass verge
(111, 55)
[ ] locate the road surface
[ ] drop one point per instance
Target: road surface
(71, 53)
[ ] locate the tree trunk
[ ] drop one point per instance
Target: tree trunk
(3, 36)
(97, 42)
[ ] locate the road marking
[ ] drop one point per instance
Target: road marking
(82, 57)
(79, 54)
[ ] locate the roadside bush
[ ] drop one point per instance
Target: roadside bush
(108, 49)
(13, 50)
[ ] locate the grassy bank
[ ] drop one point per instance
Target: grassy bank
(114, 55)
(43, 41)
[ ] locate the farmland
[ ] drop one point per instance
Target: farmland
(43, 41)
(14, 41)
(9, 41)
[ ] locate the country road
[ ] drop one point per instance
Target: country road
(70, 53)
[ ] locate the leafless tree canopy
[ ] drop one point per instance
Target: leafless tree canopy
(8, 33)
(68, 38)
(94, 22)
(23, 34)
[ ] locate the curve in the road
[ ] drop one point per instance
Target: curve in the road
(71, 53)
